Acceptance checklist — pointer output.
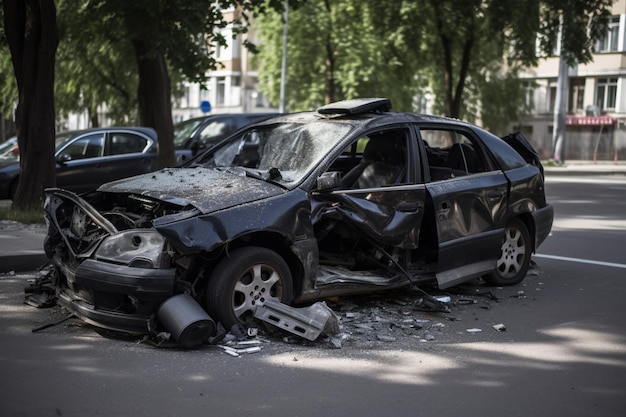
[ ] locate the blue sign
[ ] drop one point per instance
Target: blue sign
(205, 106)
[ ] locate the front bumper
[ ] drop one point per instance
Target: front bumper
(114, 297)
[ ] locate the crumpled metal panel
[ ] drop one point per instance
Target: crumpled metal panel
(287, 214)
(390, 216)
(206, 189)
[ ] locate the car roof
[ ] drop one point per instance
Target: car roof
(365, 112)
(145, 130)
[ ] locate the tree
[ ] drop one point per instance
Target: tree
(576, 25)
(166, 35)
(339, 50)
(176, 34)
(462, 50)
(95, 68)
(31, 33)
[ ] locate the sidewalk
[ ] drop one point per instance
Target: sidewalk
(21, 246)
(587, 168)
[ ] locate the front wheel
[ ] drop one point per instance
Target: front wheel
(512, 266)
(244, 280)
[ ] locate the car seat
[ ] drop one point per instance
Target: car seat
(462, 157)
(382, 164)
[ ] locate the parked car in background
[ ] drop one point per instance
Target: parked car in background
(9, 149)
(351, 198)
(88, 158)
(195, 134)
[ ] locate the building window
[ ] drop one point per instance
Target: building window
(576, 96)
(220, 98)
(610, 41)
(606, 93)
(551, 97)
(529, 94)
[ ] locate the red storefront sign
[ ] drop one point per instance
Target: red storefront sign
(589, 120)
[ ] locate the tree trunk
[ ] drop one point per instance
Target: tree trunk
(154, 96)
(31, 32)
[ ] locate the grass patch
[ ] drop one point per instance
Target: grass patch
(26, 217)
(552, 163)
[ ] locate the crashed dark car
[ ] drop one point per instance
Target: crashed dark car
(351, 198)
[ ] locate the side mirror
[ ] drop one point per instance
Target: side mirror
(64, 158)
(329, 181)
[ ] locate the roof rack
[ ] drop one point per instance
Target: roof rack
(357, 106)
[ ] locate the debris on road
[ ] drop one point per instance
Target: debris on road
(474, 330)
(307, 322)
(499, 327)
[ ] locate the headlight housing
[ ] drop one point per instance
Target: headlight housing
(136, 248)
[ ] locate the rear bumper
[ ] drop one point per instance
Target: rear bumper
(543, 219)
(115, 297)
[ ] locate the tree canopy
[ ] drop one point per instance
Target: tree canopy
(463, 52)
(160, 36)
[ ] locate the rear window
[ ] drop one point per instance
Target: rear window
(505, 156)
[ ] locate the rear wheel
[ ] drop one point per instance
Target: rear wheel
(512, 266)
(244, 280)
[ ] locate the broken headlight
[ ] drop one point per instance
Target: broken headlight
(135, 248)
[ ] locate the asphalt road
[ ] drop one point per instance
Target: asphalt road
(563, 353)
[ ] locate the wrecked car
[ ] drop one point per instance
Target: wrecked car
(351, 198)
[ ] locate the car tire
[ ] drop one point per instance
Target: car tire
(245, 279)
(512, 265)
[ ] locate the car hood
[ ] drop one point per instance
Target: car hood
(207, 190)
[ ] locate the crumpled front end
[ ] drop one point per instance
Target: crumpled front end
(111, 268)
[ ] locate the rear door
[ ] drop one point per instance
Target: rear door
(469, 201)
(128, 153)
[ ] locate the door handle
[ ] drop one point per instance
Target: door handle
(408, 207)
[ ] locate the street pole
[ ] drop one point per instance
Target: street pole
(558, 132)
(283, 70)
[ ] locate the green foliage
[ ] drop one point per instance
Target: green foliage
(339, 50)
(34, 216)
(95, 65)
(583, 22)
(458, 50)
(8, 86)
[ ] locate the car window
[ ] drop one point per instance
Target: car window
(452, 153)
(90, 146)
(122, 143)
(183, 130)
(215, 131)
(378, 159)
(290, 149)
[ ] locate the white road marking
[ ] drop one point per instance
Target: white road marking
(582, 261)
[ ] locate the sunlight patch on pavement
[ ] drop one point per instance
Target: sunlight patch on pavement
(578, 223)
(575, 345)
(394, 366)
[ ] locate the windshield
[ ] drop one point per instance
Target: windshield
(61, 138)
(183, 130)
(284, 152)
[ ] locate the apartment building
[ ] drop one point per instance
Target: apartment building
(231, 88)
(596, 100)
